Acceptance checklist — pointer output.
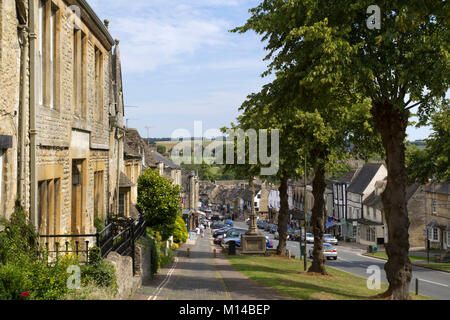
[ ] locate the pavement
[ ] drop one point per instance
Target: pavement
(203, 277)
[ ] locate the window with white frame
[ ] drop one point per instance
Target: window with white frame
(433, 207)
(433, 234)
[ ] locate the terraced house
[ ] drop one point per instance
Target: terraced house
(61, 114)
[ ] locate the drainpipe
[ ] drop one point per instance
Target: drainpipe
(24, 52)
(33, 174)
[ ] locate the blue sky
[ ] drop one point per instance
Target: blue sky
(180, 64)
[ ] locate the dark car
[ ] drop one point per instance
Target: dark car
(296, 235)
(269, 244)
(273, 228)
(221, 231)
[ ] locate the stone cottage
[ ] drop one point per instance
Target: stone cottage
(61, 114)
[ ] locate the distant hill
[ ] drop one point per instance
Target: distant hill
(421, 144)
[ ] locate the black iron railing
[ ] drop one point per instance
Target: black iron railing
(119, 235)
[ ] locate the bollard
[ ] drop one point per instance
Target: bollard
(188, 251)
(215, 253)
(417, 286)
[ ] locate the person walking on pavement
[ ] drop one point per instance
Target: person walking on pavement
(202, 230)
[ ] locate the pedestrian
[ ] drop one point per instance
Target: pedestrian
(202, 230)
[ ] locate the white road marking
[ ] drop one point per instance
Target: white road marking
(164, 283)
(436, 283)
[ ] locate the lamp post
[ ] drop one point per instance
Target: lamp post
(306, 220)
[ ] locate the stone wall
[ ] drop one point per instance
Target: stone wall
(9, 101)
(417, 219)
(127, 284)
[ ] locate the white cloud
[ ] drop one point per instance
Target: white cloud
(157, 33)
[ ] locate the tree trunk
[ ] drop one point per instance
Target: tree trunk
(318, 219)
(283, 216)
(391, 123)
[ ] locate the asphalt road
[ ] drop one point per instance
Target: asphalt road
(432, 283)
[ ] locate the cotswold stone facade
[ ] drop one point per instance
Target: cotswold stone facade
(61, 105)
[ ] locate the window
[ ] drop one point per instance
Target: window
(433, 234)
(122, 204)
(49, 207)
(98, 85)
(47, 52)
(433, 207)
(99, 195)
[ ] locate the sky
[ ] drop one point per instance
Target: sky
(181, 64)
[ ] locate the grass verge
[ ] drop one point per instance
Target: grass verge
(287, 277)
(383, 255)
(439, 266)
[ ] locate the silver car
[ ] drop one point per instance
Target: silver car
(329, 252)
(309, 238)
(328, 238)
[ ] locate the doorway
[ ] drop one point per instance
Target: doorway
(78, 197)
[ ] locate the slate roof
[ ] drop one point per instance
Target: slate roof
(443, 188)
(363, 178)
(375, 201)
(164, 160)
(348, 177)
(124, 182)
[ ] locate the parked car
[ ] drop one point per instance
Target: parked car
(221, 231)
(273, 228)
(233, 235)
(269, 243)
(328, 238)
(295, 235)
(218, 239)
(329, 252)
(264, 225)
(309, 238)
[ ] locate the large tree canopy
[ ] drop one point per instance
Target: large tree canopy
(404, 64)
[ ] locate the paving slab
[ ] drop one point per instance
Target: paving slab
(203, 277)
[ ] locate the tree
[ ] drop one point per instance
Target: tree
(159, 201)
(318, 117)
(433, 161)
(402, 65)
(264, 110)
(161, 149)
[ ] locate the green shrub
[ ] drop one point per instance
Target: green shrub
(166, 259)
(98, 271)
(180, 234)
(98, 224)
(13, 282)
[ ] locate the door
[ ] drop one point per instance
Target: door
(77, 197)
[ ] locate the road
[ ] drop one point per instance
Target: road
(432, 283)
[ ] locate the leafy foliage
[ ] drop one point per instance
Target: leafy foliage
(180, 234)
(433, 161)
(159, 201)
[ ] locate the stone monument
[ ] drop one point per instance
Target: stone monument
(253, 242)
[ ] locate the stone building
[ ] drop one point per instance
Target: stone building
(61, 110)
(437, 215)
